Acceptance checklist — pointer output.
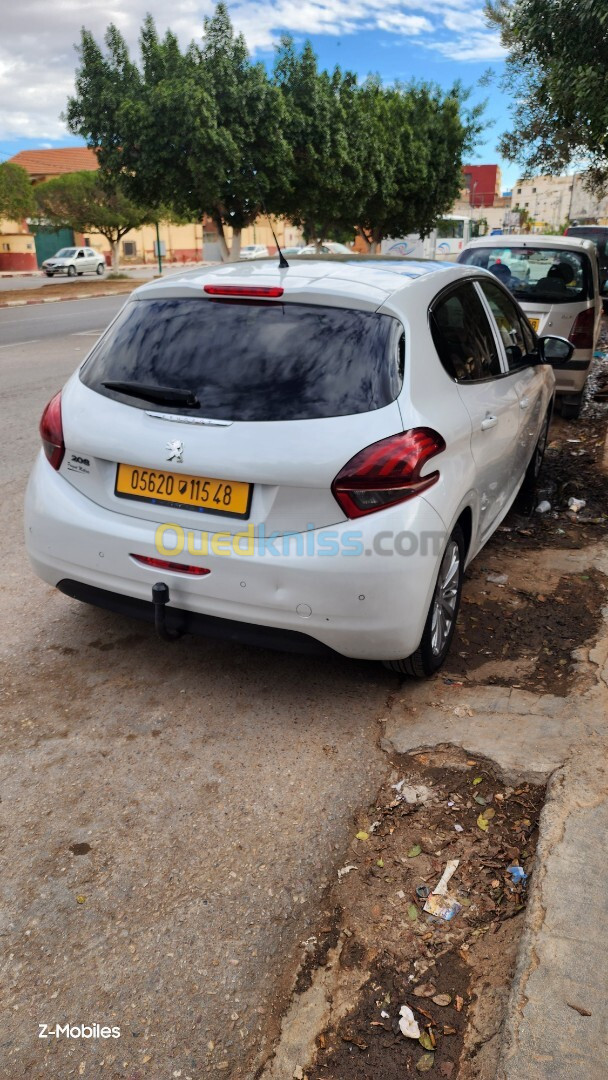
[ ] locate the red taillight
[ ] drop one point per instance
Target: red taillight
(51, 432)
(162, 564)
(271, 291)
(387, 472)
(581, 334)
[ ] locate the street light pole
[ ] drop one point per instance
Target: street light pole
(158, 252)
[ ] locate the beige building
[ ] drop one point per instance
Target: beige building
(547, 200)
(23, 248)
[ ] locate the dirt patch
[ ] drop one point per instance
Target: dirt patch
(453, 974)
(67, 292)
(532, 632)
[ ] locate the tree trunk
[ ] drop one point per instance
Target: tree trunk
(235, 247)
(115, 246)
(365, 239)
(374, 247)
(221, 236)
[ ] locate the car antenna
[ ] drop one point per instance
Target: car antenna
(283, 264)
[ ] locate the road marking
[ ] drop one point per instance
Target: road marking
(16, 344)
(87, 333)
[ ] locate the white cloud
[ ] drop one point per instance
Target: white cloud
(37, 57)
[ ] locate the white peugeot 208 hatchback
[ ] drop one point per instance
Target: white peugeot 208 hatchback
(305, 457)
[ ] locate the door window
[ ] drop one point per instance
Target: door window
(463, 336)
(516, 337)
(80, 255)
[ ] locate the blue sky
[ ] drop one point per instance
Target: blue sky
(438, 40)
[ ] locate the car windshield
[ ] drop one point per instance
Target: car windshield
(547, 275)
(66, 253)
(253, 360)
(598, 235)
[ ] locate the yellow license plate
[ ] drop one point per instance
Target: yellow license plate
(180, 490)
(534, 323)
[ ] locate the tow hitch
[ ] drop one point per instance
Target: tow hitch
(160, 598)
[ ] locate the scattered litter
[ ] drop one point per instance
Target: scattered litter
(579, 1009)
(374, 825)
(459, 828)
(380, 862)
(422, 891)
(463, 710)
(411, 793)
(517, 873)
(543, 507)
(407, 1024)
(497, 579)
(401, 894)
(439, 903)
(576, 504)
(362, 835)
(346, 870)
(385, 1014)
(459, 1003)
(425, 1063)
(442, 999)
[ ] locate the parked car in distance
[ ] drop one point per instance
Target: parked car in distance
(75, 260)
(556, 280)
(598, 234)
(305, 457)
(253, 251)
(328, 247)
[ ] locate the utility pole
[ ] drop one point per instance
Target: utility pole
(158, 251)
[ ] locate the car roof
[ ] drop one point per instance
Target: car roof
(364, 281)
(533, 240)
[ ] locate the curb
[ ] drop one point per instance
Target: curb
(61, 299)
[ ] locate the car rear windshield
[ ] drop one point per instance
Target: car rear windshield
(253, 360)
(537, 275)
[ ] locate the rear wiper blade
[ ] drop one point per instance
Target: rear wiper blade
(162, 395)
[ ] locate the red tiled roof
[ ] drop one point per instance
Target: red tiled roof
(67, 159)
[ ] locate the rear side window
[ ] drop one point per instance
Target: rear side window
(463, 337)
(253, 360)
(536, 275)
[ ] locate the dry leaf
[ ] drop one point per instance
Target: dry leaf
(414, 851)
(425, 1063)
(442, 999)
(425, 990)
(482, 823)
(412, 912)
(477, 780)
(426, 1040)
(459, 1003)
(578, 1008)
(362, 835)
(488, 813)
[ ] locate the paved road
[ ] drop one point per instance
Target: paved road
(48, 322)
(194, 796)
(40, 281)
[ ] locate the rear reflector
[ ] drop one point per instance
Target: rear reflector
(581, 334)
(387, 472)
(51, 432)
(178, 568)
(271, 291)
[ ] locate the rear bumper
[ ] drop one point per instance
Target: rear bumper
(347, 587)
(572, 377)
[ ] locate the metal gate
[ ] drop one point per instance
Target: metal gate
(48, 242)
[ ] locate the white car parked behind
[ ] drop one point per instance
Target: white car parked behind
(306, 457)
(75, 260)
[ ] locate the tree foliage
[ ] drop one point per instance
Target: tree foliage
(557, 70)
(16, 194)
(82, 201)
(208, 132)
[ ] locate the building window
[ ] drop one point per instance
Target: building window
(129, 248)
(87, 242)
(519, 191)
(533, 190)
(526, 204)
(6, 247)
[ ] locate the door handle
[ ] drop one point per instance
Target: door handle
(524, 402)
(490, 421)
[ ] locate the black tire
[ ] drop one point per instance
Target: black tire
(100, 269)
(71, 271)
(571, 406)
(48, 273)
(426, 661)
(527, 491)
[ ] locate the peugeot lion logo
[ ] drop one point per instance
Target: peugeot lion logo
(176, 450)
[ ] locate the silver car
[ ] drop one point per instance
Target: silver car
(75, 260)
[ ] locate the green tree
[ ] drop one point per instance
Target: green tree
(82, 201)
(557, 70)
(412, 141)
(16, 194)
(320, 112)
(199, 131)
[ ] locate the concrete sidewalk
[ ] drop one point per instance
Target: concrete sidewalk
(563, 956)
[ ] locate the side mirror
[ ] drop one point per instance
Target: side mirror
(556, 351)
